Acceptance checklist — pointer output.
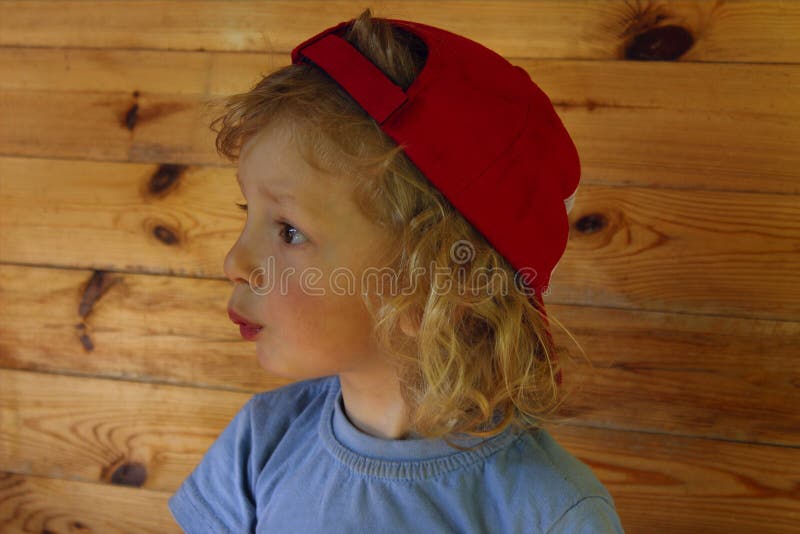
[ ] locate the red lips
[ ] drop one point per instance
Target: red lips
(238, 319)
(248, 330)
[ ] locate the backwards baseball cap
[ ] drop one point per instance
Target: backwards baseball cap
(482, 132)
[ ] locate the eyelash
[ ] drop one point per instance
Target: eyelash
(243, 207)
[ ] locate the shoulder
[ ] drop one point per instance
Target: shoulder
(219, 494)
(273, 412)
(589, 515)
(574, 475)
(558, 489)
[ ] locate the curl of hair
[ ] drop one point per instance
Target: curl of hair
(471, 360)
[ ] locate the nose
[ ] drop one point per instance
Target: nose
(239, 261)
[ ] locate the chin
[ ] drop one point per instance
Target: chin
(284, 369)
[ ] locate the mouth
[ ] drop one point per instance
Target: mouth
(247, 329)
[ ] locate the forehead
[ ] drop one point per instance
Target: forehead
(271, 157)
(271, 165)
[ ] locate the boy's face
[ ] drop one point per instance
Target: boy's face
(301, 225)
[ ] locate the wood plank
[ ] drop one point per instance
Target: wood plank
(685, 374)
(670, 483)
(620, 141)
(147, 71)
(623, 115)
(97, 126)
(108, 431)
(618, 144)
(686, 251)
(30, 503)
(683, 86)
(718, 377)
(585, 30)
(132, 217)
(147, 328)
(631, 247)
(79, 428)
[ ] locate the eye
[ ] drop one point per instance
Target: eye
(290, 231)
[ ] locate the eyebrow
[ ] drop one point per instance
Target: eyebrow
(277, 198)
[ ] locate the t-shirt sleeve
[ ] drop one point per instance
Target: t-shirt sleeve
(218, 494)
(590, 515)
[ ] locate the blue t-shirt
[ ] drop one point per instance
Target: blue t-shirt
(291, 461)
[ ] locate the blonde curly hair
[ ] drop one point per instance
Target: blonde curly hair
(470, 360)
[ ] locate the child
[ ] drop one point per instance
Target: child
(395, 148)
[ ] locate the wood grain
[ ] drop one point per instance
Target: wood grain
(30, 503)
(143, 328)
(78, 431)
(617, 144)
(671, 483)
(740, 31)
(102, 430)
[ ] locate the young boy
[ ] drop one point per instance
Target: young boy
(395, 148)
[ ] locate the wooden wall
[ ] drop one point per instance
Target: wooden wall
(119, 367)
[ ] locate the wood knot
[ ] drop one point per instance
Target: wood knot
(86, 341)
(132, 114)
(589, 224)
(165, 179)
(165, 235)
(96, 287)
(130, 474)
(664, 43)
(130, 117)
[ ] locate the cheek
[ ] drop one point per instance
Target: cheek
(326, 321)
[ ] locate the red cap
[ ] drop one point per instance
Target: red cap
(482, 132)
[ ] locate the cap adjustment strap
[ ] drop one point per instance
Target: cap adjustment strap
(365, 82)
